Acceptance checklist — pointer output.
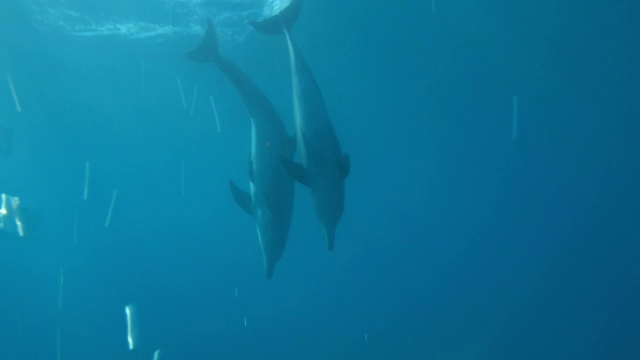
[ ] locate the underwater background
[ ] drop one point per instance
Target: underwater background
(492, 210)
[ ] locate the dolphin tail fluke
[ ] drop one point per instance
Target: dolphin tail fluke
(207, 49)
(283, 19)
(242, 198)
(330, 235)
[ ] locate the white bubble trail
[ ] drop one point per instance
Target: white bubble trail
(87, 176)
(113, 202)
(193, 101)
(184, 102)
(132, 325)
(60, 287)
(13, 93)
(215, 112)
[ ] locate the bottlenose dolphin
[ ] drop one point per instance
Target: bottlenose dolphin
(272, 189)
(324, 166)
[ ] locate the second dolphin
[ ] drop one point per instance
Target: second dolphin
(270, 202)
(324, 166)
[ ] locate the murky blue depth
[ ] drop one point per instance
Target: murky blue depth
(491, 210)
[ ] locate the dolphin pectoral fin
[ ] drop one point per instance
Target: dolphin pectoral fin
(207, 49)
(242, 198)
(296, 171)
(344, 165)
(283, 19)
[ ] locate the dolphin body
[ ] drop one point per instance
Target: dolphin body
(270, 202)
(324, 166)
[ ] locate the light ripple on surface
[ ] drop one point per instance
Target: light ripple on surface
(164, 20)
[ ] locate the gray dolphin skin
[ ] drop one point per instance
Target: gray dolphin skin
(270, 202)
(324, 166)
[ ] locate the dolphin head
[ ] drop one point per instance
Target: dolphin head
(269, 267)
(330, 235)
(272, 235)
(329, 204)
(272, 249)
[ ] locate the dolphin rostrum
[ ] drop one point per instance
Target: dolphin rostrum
(270, 202)
(324, 166)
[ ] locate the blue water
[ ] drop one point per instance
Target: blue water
(457, 242)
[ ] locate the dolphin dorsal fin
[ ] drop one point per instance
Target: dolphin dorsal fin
(242, 198)
(207, 49)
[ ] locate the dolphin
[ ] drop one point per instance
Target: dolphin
(270, 201)
(324, 166)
